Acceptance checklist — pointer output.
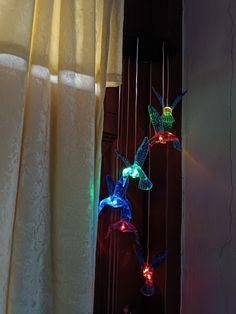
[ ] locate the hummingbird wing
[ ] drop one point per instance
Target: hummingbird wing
(110, 185)
(145, 183)
(155, 118)
(159, 97)
(121, 187)
(123, 158)
(110, 228)
(142, 152)
(139, 256)
(158, 259)
(177, 145)
(177, 99)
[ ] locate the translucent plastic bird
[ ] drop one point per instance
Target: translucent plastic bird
(167, 118)
(162, 124)
(117, 197)
(148, 288)
(135, 170)
(123, 226)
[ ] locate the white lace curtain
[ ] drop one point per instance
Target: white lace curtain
(56, 57)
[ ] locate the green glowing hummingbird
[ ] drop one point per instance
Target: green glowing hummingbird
(135, 170)
(167, 119)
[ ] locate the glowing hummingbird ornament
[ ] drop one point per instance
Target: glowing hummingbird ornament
(117, 198)
(135, 170)
(123, 226)
(162, 124)
(148, 288)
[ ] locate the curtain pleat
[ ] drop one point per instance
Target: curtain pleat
(12, 78)
(54, 67)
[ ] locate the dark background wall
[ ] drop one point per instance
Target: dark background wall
(118, 275)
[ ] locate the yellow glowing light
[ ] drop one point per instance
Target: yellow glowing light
(167, 110)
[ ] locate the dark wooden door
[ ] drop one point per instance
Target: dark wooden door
(118, 274)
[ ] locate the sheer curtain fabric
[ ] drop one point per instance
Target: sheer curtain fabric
(56, 57)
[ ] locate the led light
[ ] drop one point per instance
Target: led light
(126, 171)
(166, 120)
(163, 137)
(135, 173)
(148, 288)
(148, 274)
(123, 226)
(167, 110)
(114, 202)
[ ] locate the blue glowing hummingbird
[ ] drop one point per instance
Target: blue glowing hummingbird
(117, 198)
(135, 170)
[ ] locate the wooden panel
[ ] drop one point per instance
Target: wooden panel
(122, 288)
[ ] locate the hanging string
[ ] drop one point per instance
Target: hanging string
(166, 221)
(121, 115)
(109, 270)
(149, 168)
(117, 163)
(127, 116)
(168, 81)
(113, 243)
(163, 73)
(136, 97)
(120, 123)
(167, 169)
(109, 267)
(118, 130)
(116, 215)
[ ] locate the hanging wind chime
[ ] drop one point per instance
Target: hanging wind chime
(162, 124)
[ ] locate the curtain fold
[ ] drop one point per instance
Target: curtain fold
(55, 62)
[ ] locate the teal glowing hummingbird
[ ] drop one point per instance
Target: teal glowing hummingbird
(135, 170)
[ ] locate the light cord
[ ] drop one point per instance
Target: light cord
(168, 81)
(149, 168)
(128, 106)
(136, 96)
(163, 73)
(166, 221)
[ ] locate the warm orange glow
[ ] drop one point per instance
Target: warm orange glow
(200, 166)
(146, 269)
(122, 227)
(163, 137)
(148, 274)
